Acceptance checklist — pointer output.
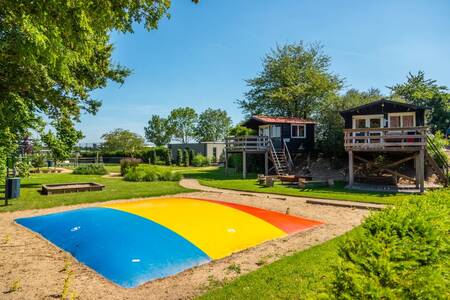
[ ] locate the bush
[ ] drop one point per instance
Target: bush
(38, 160)
(200, 161)
(399, 253)
(186, 161)
(23, 167)
(179, 157)
(91, 169)
(151, 173)
(191, 155)
(127, 163)
(167, 158)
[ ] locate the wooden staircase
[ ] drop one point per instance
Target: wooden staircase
(281, 159)
(437, 161)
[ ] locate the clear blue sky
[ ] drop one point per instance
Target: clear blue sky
(201, 56)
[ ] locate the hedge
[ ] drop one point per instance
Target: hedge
(151, 173)
(91, 169)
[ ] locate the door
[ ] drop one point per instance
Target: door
(275, 135)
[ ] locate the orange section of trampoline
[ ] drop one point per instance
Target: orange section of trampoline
(288, 223)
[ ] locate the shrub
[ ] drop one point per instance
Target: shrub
(151, 173)
(127, 163)
(179, 157)
(191, 155)
(399, 253)
(38, 160)
(91, 169)
(167, 158)
(200, 161)
(23, 167)
(186, 161)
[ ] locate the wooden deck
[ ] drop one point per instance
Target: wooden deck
(249, 144)
(410, 139)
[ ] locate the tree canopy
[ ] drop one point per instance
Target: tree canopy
(213, 125)
(53, 54)
(122, 140)
(294, 80)
(158, 131)
(424, 92)
(183, 121)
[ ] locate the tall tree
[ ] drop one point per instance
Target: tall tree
(420, 91)
(61, 142)
(213, 125)
(183, 121)
(122, 140)
(53, 54)
(158, 131)
(330, 136)
(294, 80)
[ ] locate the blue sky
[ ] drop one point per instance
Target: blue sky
(201, 56)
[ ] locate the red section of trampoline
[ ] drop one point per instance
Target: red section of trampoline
(287, 223)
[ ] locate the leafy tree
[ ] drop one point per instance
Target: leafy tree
(294, 80)
(213, 125)
(330, 136)
(158, 131)
(62, 141)
(424, 92)
(183, 122)
(240, 130)
(53, 54)
(122, 140)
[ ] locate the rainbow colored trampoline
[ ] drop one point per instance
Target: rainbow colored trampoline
(133, 242)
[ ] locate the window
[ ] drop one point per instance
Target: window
(298, 131)
(276, 131)
(402, 120)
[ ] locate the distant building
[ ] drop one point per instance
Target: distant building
(209, 149)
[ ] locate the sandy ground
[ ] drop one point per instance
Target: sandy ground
(32, 268)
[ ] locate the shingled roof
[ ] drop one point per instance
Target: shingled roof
(282, 120)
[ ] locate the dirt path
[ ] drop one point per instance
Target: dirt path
(195, 184)
(32, 268)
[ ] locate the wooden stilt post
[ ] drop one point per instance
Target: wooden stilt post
(244, 165)
(350, 169)
(416, 167)
(266, 163)
(422, 170)
(226, 161)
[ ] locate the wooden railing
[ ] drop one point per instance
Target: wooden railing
(247, 143)
(385, 138)
(288, 156)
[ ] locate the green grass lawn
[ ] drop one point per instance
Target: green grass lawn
(304, 275)
(115, 188)
(215, 177)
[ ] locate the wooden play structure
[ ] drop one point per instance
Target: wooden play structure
(396, 131)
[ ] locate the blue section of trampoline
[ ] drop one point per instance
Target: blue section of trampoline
(125, 248)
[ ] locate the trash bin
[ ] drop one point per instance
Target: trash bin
(12, 188)
(50, 163)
